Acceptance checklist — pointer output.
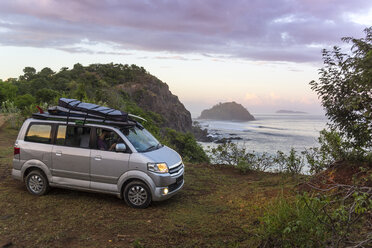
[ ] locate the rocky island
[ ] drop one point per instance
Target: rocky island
(228, 111)
(283, 111)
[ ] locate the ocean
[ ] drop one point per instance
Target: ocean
(269, 132)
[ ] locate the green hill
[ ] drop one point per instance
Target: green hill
(126, 87)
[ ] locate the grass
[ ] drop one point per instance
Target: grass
(217, 207)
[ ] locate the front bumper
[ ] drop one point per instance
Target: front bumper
(158, 192)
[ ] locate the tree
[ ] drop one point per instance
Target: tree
(45, 95)
(345, 89)
(28, 73)
(24, 101)
(8, 91)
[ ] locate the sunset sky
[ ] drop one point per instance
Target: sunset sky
(259, 53)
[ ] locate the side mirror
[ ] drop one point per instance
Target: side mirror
(121, 147)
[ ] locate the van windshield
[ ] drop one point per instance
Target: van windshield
(141, 139)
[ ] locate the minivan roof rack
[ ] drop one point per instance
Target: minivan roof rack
(82, 113)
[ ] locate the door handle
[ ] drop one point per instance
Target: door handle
(98, 157)
(58, 153)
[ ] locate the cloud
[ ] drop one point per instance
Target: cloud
(262, 30)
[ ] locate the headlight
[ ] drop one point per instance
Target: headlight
(158, 167)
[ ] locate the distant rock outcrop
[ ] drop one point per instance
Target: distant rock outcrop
(283, 111)
(228, 111)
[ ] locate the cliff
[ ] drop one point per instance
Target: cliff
(153, 95)
(229, 111)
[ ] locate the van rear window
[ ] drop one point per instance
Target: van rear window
(40, 133)
(74, 136)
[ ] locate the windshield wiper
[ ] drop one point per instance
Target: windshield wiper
(153, 147)
(150, 148)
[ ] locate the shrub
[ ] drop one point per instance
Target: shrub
(325, 220)
(244, 166)
(8, 107)
(46, 95)
(186, 145)
(23, 101)
(235, 155)
(228, 153)
(290, 223)
(291, 163)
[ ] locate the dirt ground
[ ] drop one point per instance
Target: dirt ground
(217, 207)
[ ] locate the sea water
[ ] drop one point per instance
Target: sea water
(269, 132)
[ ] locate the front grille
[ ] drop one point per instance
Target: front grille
(176, 185)
(176, 169)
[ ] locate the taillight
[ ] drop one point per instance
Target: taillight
(17, 150)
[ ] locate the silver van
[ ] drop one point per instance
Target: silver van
(124, 160)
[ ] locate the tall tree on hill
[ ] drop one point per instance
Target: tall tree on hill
(345, 89)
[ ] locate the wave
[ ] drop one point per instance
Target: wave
(273, 128)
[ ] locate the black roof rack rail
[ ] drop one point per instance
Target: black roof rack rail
(82, 120)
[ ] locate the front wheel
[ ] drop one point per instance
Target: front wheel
(37, 183)
(137, 195)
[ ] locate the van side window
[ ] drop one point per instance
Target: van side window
(107, 139)
(73, 136)
(40, 133)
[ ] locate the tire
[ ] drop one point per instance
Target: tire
(137, 195)
(37, 183)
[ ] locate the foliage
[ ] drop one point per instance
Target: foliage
(14, 117)
(8, 107)
(24, 101)
(8, 91)
(186, 145)
(317, 221)
(291, 163)
(234, 155)
(290, 223)
(96, 83)
(345, 89)
(228, 153)
(46, 95)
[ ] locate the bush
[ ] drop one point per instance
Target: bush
(186, 145)
(291, 163)
(228, 153)
(234, 155)
(46, 95)
(23, 101)
(8, 107)
(290, 223)
(325, 220)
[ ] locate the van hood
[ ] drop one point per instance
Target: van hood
(164, 154)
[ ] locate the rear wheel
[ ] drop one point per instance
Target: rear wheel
(137, 195)
(37, 183)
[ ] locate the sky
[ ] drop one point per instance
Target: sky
(260, 53)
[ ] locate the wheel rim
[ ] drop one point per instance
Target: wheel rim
(137, 195)
(36, 184)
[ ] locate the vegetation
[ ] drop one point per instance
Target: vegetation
(345, 89)
(96, 83)
(324, 220)
(340, 214)
(325, 212)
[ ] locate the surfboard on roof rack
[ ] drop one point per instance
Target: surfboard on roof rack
(93, 109)
(72, 109)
